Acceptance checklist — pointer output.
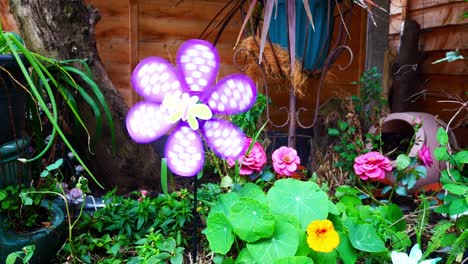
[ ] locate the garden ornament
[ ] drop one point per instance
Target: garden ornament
(183, 99)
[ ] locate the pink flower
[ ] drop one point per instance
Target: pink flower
(372, 166)
(424, 155)
(285, 161)
(254, 161)
(143, 194)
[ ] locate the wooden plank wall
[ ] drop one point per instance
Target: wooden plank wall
(442, 29)
(131, 30)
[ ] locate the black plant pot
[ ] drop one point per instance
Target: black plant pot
(12, 99)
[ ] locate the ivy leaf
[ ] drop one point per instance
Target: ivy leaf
(461, 157)
(55, 165)
(440, 153)
(450, 56)
(402, 161)
(456, 188)
(25, 199)
(442, 136)
(333, 132)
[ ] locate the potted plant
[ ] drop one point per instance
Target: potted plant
(29, 217)
(51, 88)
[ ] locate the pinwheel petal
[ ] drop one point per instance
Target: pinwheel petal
(199, 62)
(184, 152)
(233, 94)
(146, 122)
(153, 78)
(224, 138)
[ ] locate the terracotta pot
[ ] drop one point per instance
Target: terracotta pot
(426, 135)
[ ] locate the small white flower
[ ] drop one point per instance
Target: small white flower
(413, 258)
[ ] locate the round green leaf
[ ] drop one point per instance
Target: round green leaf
(364, 237)
(442, 136)
(457, 189)
(402, 162)
(461, 157)
(219, 233)
(304, 200)
(283, 243)
(252, 191)
(245, 257)
(224, 203)
(251, 220)
(295, 260)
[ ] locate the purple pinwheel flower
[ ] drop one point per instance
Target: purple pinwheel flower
(185, 99)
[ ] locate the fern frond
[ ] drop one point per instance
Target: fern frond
(423, 219)
(458, 246)
(439, 231)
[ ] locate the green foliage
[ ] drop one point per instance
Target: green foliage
(439, 232)
(249, 121)
(24, 255)
(369, 104)
(143, 230)
(47, 78)
(453, 178)
(423, 219)
(458, 247)
(266, 228)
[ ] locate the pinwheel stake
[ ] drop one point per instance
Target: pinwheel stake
(183, 98)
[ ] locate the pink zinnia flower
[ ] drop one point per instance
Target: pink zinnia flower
(285, 161)
(254, 161)
(372, 165)
(424, 155)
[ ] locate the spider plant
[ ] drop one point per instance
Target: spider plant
(46, 78)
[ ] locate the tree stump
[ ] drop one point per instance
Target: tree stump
(64, 29)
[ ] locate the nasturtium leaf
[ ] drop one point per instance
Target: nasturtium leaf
(461, 157)
(245, 257)
(364, 237)
(345, 250)
(251, 190)
(219, 233)
(283, 243)
(294, 260)
(402, 162)
(324, 258)
(251, 220)
(224, 203)
(442, 136)
(302, 199)
(332, 208)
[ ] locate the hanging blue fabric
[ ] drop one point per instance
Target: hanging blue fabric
(317, 39)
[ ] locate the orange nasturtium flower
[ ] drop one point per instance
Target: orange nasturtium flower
(322, 236)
